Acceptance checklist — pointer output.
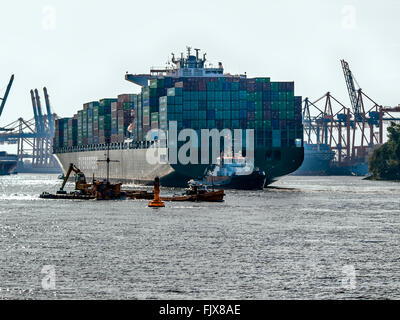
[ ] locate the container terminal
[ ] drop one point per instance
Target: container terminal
(339, 140)
(33, 137)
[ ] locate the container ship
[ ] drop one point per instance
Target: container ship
(192, 95)
(319, 160)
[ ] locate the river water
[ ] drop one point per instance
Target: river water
(309, 238)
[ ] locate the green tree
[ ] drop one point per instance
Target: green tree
(385, 160)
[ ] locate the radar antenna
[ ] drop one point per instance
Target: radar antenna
(197, 53)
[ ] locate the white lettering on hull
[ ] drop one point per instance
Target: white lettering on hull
(87, 163)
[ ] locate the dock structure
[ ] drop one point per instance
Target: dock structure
(339, 138)
(34, 137)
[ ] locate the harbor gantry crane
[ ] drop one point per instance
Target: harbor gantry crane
(328, 126)
(351, 88)
(4, 99)
(363, 116)
(34, 137)
(351, 132)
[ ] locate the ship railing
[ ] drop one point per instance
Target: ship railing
(103, 146)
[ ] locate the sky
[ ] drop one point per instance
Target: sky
(81, 50)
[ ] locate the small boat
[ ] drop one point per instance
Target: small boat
(210, 196)
(198, 192)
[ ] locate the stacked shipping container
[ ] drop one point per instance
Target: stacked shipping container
(61, 126)
(270, 108)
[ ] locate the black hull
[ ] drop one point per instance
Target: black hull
(290, 160)
(254, 181)
(7, 167)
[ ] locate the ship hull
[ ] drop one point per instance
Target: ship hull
(132, 166)
(360, 169)
(7, 167)
(317, 160)
(127, 166)
(254, 181)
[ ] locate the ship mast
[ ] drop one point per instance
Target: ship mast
(107, 160)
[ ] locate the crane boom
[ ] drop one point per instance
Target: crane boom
(4, 99)
(389, 109)
(350, 86)
(40, 113)
(48, 108)
(80, 180)
(35, 113)
(71, 168)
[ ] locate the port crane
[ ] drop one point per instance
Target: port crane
(34, 137)
(351, 132)
(4, 99)
(351, 88)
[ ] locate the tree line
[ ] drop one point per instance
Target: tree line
(384, 162)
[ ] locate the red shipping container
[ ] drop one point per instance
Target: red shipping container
(124, 98)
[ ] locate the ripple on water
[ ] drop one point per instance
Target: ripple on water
(288, 242)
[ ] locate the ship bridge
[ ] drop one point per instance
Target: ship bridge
(189, 66)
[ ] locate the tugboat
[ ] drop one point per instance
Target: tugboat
(234, 172)
(8, 163)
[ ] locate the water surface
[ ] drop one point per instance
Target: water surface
(291, 242)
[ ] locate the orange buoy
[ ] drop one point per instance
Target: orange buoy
(156, 202)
